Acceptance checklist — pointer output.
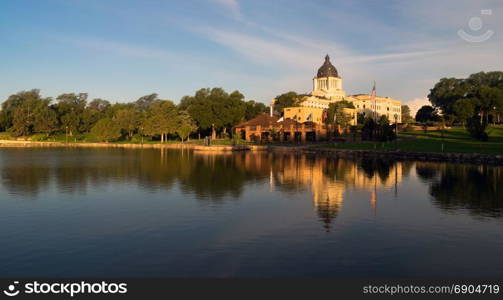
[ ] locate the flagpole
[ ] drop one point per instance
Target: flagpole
(375, 101)
(373, 96)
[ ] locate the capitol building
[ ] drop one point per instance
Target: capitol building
(327, 88)
(307, 121)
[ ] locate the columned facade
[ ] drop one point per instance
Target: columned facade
(327, 88)
(327, 82)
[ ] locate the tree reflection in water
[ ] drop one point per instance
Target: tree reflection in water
(477, 189)
(218, 177)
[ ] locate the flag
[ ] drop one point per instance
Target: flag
(373, 94)
(373, 99)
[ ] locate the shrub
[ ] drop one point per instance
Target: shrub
(386, 132)
(369, 126)
(137, 138)
(477, 128)
(38, 137)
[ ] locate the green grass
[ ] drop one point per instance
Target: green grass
(6, 136)
(455, 140)
(89, 138)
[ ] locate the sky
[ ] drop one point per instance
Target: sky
(120, 50)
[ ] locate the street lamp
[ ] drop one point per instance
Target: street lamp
(66, 133)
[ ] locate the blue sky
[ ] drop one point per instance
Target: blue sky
(121, 50)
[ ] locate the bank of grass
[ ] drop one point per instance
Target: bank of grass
(89, 138)
(455, 140)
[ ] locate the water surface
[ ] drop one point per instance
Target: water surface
(171, 213)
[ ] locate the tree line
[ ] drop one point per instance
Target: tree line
(474, 102)
(209, 111)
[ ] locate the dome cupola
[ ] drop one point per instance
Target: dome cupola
(327, 69)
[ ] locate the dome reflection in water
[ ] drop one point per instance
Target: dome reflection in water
(120, 212)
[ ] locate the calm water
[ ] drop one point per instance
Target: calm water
(146, 213)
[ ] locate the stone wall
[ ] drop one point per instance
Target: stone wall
(473, 158)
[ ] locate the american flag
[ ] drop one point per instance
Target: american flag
(373, 99)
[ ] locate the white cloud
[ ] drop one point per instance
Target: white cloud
(406, 72)
(406, 65)
(416, 104)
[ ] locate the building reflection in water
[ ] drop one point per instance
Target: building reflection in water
(327, 178)
(217, 177)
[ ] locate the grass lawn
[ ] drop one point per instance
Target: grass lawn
(89, 138)
(456, 140)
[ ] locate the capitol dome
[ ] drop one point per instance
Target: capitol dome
(327, 69)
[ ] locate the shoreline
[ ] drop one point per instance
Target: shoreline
(220, 148)
(471, 158)
(474, 158)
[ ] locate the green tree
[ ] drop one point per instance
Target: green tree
(144, 103)
(427, 113)
(446, 92)
(214, 109)
(464, 109)
(385, 130)
(185, 125)
(477, 129)
(89, 119)
(289, 99)
(490, 99)
(3, 121)
(28, 116)
(161, 119)
(337, 116)
(106, 130)
(10, 105)
(232, 111)
(99, 105)
(128, 120)
(46, 119)
(449, 90)
(70, 109)
(253, 109)
(406, 117)
(369, 129)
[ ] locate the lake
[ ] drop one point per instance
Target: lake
(99, 212)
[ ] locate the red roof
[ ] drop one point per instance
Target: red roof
(266, 120)
(260, 120)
